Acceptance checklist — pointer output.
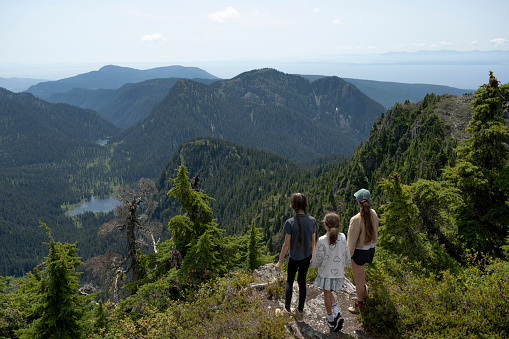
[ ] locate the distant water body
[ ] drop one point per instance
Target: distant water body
(102, 142)
(95, 205)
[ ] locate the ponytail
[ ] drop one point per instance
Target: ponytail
(298, 202)
(368, 223)
(300, 230)
(331, 220)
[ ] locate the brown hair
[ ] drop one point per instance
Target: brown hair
(331, 220)
(368, 223)
(298, 201)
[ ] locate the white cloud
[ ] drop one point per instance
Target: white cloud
(371, 47)
(475, 42)
(498, 42)
(316, 10)
(156, 37)
(228, 13)
(336, 22)
(444, 43)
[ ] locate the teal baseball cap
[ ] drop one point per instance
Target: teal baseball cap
(362, 194)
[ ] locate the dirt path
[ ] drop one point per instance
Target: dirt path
(314, 325)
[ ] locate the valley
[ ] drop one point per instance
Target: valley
(253, 140)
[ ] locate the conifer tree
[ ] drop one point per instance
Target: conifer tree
(195, 232)
(254, 249)
(483, 221)
(58, 307)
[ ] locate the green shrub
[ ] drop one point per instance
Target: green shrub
(406, 301)
(223, 308)
(276, 289)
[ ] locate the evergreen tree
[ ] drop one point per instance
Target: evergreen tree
(483, 221)
(417, 222)
(195, 232)
(254, 249)
(58, 307)
(100, 318)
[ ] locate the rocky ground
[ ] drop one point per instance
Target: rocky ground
(314, 325)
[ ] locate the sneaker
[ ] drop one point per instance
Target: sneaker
(332, 324)
(339, 323)
(355, 309)
(366, 291)
(336, 324)
(299, 316)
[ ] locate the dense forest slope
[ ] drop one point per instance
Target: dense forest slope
(34, 131)
(47, 154)
(265, 109)
(116, 76)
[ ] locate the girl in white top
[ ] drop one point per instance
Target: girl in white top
(331, 256)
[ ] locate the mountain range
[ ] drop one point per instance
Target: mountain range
(112, 76)
(124, 106)
(113, 91)
(244, 136)
(266, 109)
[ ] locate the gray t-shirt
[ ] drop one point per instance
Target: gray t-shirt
(309, 227)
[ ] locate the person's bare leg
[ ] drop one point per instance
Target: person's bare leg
(328, 300)
(360, 279)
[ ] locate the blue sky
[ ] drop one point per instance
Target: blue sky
(59, 38)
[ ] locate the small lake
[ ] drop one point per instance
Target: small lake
(102, 142)
(95, 205)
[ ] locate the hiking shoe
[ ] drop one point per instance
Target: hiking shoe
(355, 309)
(283, 312)
(299, 316)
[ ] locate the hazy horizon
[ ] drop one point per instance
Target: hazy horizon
(58, 39)
(467, 71)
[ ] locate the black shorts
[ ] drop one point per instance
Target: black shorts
(361, 257)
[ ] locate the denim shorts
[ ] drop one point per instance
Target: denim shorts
(361, 257)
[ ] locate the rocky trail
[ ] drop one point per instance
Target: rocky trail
(314, 325)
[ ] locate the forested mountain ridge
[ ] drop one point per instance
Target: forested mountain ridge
(48, 158)
(266, 109)
(235, 176)
(124, 106)
(111, 76)
(35, 131)
(416, 140)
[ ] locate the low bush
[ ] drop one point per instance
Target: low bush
(407, 301)
(223, 308)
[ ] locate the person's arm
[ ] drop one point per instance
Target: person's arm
(318, 255)
(348, 259)
(353, 235)
(313, 245)
(284, 249)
